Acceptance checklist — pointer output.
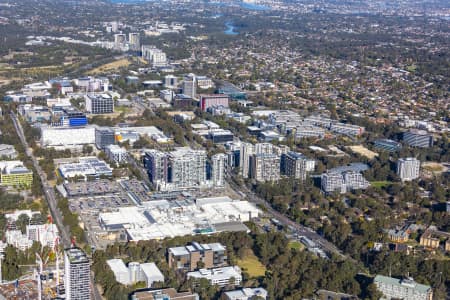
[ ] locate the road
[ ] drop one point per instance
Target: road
(50, 197)
(299, 229)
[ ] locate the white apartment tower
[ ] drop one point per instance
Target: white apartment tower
(77, 275)
(218, 169)
(246, 151)
(408, 168)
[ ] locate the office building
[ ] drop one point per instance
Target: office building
(99, 104)
(164, 294)
(68, 116)
(15, 174)
(333, 181)
(220, 136)
(265, 167)
(7, 151)
(116, 153)
(347, 129)
(204, 82)
(293, 164)
(408, 168)
(218, 276)
(393, 288)
(77, 275)
(246, 294)
(170, 81)
(387, 145)
(178, 169)
(67, 137)
(104, 136)
(195, 256)
(182, 101)
(190, 86)
(218, 162)
(305, 131)
(418, 138)
(207, 101)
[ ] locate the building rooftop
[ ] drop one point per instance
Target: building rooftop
(76, 255)
(409, 283)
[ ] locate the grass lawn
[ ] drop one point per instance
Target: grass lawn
(380, 184)
(251, 265)
(112, 66)
(296, 245)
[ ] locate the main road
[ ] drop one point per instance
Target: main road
(49, 193)
(298, 228)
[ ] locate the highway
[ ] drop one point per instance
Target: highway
(50, 197)
(297, 228)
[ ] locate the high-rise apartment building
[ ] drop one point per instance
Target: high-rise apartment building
(408, 168)
(190, 86)
(119, 39)
(355, 181)
(181, 168)
(333, 182)
(134, 41)
(155, 56)
(294, 165)
(77, 274)
(265, 167)
(218, 162)
(246, 150)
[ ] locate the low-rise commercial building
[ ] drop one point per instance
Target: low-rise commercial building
(116, 153)
(159, 219)
(86, 167)
(387, 145)
(218, 276)
(246, 294)
(67, 137)
(393, 288)
(418, 138)
(147, 272)
(164, 294)
(14, 173)
(7, 151)
(207, 101)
